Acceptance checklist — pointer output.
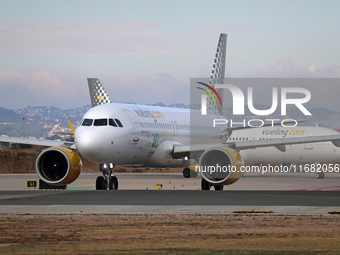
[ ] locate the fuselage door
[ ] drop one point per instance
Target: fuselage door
(309, 146)
(174, 127)
(134, 122)
(252, 136)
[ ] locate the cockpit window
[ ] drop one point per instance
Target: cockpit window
(87, 122)
(115, 123)
(118, 122)
(100, 122)
(112, 123)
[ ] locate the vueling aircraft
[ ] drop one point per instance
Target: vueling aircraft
(112, 134)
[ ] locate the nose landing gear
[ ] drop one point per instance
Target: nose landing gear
(107, 180)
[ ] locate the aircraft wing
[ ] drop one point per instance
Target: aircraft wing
(39, 142)
(180, 151)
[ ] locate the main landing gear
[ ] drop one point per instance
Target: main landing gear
(187, 173)
(205, 185)
(320, 175)
(107, 180)
(320, 170)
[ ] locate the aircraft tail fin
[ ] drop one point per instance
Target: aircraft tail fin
(218, 69)
(97, 92)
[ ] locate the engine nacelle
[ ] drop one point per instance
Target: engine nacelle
(58, 166)
(220, 165)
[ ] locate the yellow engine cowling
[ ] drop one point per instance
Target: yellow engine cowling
(58, 166)
(220, 165)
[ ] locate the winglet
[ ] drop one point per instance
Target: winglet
(72, 128)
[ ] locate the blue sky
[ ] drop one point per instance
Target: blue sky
(146, 51)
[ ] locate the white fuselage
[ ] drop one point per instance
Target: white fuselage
(321, 152)
(146, 138)
(146, 135)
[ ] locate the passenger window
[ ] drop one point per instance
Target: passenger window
(87, 122)
(118, 122)
(100, 122)
(112, 123)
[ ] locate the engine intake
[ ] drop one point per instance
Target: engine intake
(220, 165)
(58, 166)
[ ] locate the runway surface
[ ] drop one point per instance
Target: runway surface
(142, 196)
(168, 197)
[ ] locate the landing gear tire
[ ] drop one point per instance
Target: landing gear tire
(186, 172)
(205, 185)
(113, 183)
(218, 187)
(101, 183)
(320, 175)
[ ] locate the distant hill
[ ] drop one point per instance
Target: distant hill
(9, 116)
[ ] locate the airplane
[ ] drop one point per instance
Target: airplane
(113, 134)
(316, 154)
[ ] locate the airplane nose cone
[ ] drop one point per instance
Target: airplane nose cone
(89, 144)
